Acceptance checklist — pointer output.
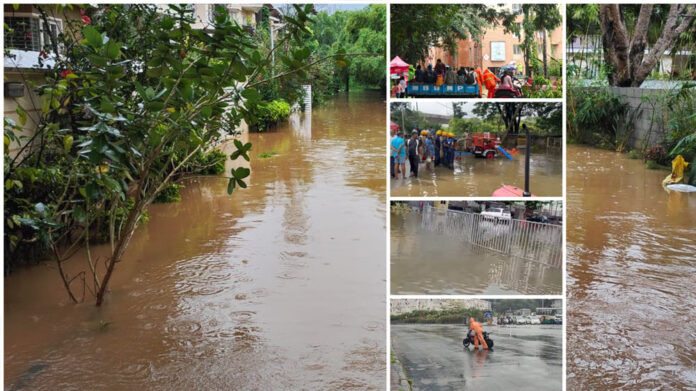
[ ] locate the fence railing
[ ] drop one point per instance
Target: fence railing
(519, 238)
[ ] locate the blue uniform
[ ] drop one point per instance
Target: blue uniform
(437, 150)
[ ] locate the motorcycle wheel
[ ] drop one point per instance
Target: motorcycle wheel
(489, 342)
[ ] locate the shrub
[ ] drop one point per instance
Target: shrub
(633, 154)
(268, 114)
(651, 165)
(657, 154)
(170, 193)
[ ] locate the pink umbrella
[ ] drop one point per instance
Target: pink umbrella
(397, 65)
(393, 126)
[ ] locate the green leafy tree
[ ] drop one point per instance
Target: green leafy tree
(134, 94)
(417, 27)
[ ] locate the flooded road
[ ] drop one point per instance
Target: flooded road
(481, 177)
(427, 262)
(631, 276)
(279, 286)
(523, 358)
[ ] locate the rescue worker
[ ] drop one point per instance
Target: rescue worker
(479, 80)
(413, 146)
(438, 146)
(490, 80)
(452, 142)
(478, 334)
(445, 149)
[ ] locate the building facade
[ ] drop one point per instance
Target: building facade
(498, 48)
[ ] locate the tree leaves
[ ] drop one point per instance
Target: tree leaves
(93, 37)
(238, 175)
(242, 150)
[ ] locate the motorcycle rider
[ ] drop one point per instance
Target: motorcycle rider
(477, 330)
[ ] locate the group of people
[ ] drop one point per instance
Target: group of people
(433, 148)
(443, 74)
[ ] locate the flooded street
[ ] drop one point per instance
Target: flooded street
(481, 177)
(631, 276)
(523, 357)
(279, 286)
(428, 262)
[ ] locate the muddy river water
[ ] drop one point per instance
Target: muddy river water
(631, 276)
(427, 262)
(279, 286)
(481, 177)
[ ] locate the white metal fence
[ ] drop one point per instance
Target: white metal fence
(525, 239)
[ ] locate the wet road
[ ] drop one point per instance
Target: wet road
(631, 276)
(425, 262)
(523, 358)
(481, 177)
(279, 286)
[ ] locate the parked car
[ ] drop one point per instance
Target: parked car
(521, 320)
(496, 213)
(534, 320)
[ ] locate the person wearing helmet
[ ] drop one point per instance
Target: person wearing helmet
(452, 143)
(438, 146)
(477, 330)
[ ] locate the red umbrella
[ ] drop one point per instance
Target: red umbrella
(397, 65)
(393, 126)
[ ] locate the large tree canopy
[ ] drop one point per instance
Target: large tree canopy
(417, 27)
(634, 37)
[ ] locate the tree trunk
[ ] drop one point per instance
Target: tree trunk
(629, 63)
(546, 71)
(120, 248)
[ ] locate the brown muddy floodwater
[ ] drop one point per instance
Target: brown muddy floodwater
(481, 177)
(425, 262)
(279, 286)
(631, 276)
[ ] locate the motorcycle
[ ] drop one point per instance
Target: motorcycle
(470, 340)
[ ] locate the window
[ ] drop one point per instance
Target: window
(28, 33)
(516, 7)
(517, 49)
(23, 34)
(53, 29)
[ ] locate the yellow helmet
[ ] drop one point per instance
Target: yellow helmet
(424, 132)
(439, 132)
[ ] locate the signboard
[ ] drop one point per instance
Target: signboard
(488, 315)
(497, 51)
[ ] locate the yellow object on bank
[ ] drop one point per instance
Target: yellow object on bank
(678, 167)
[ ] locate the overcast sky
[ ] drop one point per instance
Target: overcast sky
(437, 107)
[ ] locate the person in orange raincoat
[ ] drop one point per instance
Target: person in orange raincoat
(479, 80)
(478, 330)
(489, 79)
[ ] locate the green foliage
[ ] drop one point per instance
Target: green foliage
(267, 115)
(417, 27)
(170, 193)
(651, 165)
(543, 88)
(594, 115)
(633, 154)
(122, 112)
(451, 316)
(267, 155)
